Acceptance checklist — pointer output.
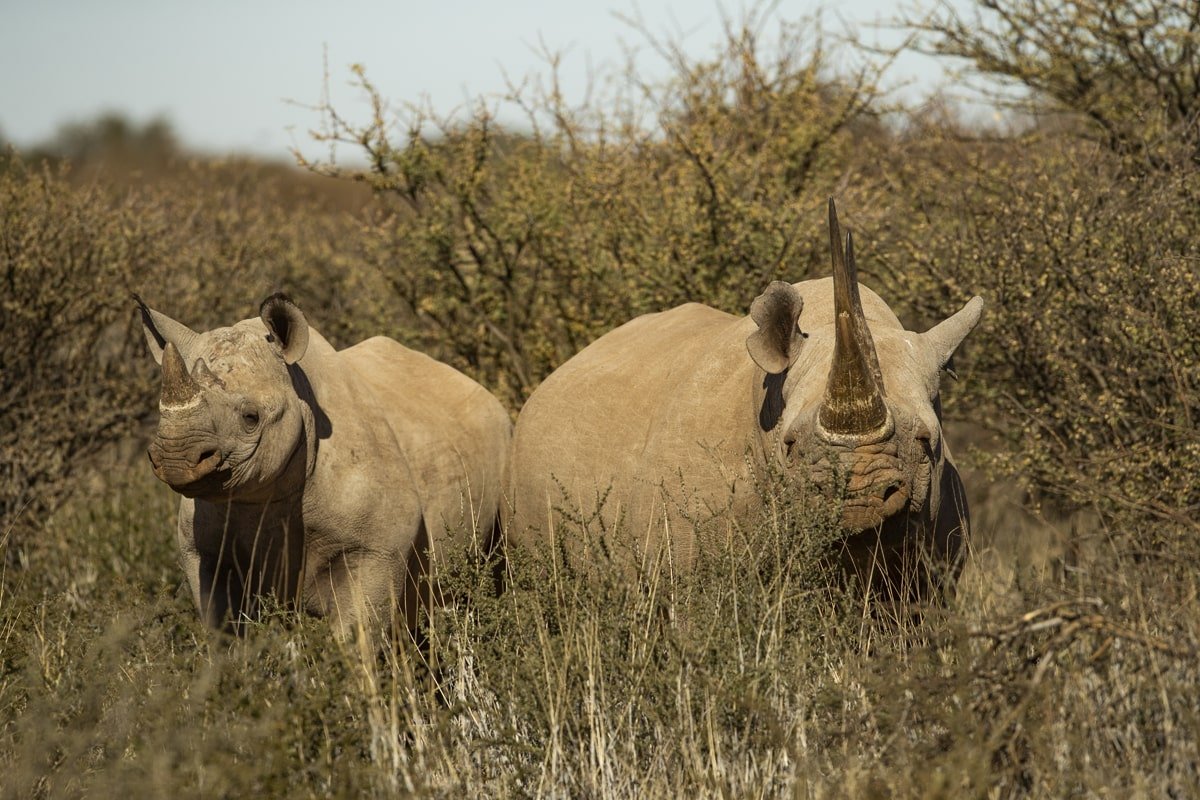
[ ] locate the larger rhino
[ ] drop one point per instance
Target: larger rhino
(323, 478)
(669, 416)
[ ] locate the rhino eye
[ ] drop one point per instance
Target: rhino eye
(250, 420)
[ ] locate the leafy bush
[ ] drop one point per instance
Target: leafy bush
(1090, 354)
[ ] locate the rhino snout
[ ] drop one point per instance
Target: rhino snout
(872, 481)
(180, 465)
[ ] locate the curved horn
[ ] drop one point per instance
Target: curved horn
(853, 408)
(179, 389)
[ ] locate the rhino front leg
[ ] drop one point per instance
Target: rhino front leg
(201, 577)
(367, 590)
(218, 590)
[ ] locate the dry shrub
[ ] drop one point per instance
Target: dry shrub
(1079, 232)
(1087, 366)
(513, 248)
(66, 367)
(1121, 72)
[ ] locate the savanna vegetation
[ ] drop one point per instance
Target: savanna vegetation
(504, 240)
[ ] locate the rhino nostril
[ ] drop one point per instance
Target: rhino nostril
(889, 491)
(205, 456)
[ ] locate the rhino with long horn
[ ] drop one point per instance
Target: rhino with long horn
(650, 426)
(326, 479)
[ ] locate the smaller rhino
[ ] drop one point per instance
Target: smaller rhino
(325, 479)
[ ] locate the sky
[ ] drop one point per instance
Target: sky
(242, 76)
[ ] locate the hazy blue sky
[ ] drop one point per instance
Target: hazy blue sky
(222, 72)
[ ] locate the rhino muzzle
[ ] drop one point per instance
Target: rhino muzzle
(871, 481)
(870, 507)
(186, 466)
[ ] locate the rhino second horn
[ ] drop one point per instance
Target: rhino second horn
(179, 389)
(204, 376)
(853, 411)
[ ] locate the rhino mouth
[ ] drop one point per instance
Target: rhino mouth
(869, 508)
(204, 477)
(869, 481)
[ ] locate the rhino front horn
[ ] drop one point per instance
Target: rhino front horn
(179, 389)
(853, 411)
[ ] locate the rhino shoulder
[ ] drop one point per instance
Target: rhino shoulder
(394, 367)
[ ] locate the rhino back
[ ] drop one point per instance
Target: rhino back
(664, 395)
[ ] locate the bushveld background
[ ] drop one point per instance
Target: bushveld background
(1066, 665)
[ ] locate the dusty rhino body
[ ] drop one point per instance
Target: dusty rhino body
(665, 421)
(318, 477)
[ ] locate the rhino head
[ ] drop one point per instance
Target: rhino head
(231, 422)
(856, 396)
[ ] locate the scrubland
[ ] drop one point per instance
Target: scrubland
(1064, 665)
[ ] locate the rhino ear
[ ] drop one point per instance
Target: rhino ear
(775, 346)
(945, 337)
(161, 329)
(287, 325)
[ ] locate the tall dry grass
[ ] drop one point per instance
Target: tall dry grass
(754, 677)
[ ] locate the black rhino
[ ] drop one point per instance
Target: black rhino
(323, 478)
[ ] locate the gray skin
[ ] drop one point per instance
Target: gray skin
(667, 420)
(325, 479)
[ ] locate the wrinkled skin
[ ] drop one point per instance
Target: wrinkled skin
(322, 478)
(666, 420)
